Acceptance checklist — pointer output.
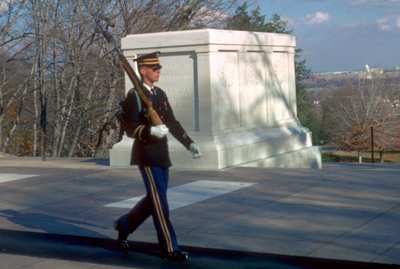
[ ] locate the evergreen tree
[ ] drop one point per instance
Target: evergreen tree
(255, 21)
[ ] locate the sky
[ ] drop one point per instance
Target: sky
(342, 35)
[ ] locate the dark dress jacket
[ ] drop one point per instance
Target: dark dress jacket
(149, 150)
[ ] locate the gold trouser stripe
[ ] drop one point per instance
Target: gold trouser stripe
(158, 208)
(136, 130)
(140, 132)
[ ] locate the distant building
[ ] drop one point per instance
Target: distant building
(339, 79)
(369, 73)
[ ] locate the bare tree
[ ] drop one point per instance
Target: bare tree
(11, 34)
(58, 78)
(358, 107)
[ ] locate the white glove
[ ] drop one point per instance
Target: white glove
(159, 131)
(195, 150)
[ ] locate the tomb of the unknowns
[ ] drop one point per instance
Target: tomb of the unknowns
(234, 93)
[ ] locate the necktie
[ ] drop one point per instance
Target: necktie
(152, 95)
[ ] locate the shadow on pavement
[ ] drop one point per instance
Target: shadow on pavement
(104, 251)
(48, 223)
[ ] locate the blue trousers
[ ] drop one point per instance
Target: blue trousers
(154, 203)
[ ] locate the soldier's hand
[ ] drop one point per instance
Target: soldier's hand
(159, 131)
(195, 150)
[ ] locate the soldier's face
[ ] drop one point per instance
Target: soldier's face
(150, 74)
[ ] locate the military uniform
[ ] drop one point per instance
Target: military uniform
(151, 155)
(148, 150)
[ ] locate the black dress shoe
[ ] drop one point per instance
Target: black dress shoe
(177, 256)
(123, 246)
(122, 242)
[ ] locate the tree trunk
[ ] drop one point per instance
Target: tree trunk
(66, 123)
(17, 119)
(108, 115)
(85, 109)
(35, 120)
(57, 127)
(2, 107)
(66, 115)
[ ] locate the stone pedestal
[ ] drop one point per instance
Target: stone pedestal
(234, 92)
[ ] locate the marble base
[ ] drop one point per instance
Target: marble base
(120, 154)
(288, 146)
(309, 157)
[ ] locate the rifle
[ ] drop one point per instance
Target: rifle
(138, 85)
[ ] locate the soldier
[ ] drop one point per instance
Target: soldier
(150, 153)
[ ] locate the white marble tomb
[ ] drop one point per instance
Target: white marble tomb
(234, 92)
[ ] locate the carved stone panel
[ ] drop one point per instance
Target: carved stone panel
(252, 89)
(178, 81)
(280, 107)
(225, 91)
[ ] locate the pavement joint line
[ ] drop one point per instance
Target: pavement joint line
(377, 256)
(378, 215)
(358, 227)
(389, 248)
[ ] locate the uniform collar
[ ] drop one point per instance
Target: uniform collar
(149, 88)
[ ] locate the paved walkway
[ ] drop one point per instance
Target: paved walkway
(342, 212)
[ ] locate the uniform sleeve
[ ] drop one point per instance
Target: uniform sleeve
(174, 126)
(134, 127)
